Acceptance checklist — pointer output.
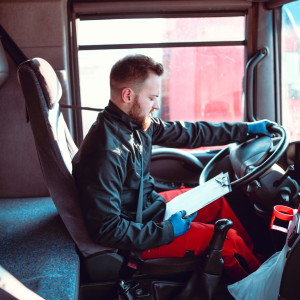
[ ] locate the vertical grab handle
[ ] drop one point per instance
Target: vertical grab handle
(252, 63)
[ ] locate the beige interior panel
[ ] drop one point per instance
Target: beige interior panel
(39, 28)
(33, 24)
(20, 172)
(53, 55)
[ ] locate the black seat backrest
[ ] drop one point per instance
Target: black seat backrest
(55, 147)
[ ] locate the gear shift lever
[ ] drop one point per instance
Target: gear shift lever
(213, 263)
(204, 281)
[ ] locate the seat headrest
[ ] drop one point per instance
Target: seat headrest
(48, 80)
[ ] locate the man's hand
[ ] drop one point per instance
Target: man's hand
(180, 224)
(260, 127)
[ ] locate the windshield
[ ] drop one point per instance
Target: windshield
(291, 68)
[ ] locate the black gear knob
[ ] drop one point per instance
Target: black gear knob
(213, 262)
(220, 231)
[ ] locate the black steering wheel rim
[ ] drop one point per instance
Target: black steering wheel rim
(257, 171)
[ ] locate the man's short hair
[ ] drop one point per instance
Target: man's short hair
(132, 71)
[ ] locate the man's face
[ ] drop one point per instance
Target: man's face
(146, 101)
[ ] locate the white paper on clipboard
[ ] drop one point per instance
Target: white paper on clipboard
(200, 196)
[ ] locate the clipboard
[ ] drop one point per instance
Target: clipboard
(200, 196)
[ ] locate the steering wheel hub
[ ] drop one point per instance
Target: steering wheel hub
(250, 153)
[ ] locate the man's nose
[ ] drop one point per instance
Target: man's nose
(156, 104)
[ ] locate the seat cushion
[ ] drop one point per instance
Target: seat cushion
(36, 248)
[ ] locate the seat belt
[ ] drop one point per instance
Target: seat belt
(139, 211)
(130, 266)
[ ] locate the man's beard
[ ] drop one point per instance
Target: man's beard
(135, 113)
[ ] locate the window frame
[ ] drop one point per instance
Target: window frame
(279, 19)
(277, 29)
(74, 47)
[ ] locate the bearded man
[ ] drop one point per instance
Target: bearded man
(114, 159)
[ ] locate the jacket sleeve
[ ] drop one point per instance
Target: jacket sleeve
(100, 184)
(194, 135)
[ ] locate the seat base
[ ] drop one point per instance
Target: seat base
(157, 288)
(105, 266)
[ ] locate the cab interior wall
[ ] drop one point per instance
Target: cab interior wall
(39, 28)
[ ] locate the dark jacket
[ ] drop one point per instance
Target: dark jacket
(107, 169)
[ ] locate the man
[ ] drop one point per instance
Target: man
(109, 164)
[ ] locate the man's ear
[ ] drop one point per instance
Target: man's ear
(127, 95)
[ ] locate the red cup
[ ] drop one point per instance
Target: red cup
(284, 213)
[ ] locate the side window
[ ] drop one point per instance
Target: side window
(203, 60)
(290, 64)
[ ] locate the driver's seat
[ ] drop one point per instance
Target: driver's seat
(55, 147)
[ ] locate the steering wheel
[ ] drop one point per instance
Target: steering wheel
(249, 158)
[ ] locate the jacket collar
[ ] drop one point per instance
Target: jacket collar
(120, 116)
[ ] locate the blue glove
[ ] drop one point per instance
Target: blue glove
(181, 226)
(260, 127)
